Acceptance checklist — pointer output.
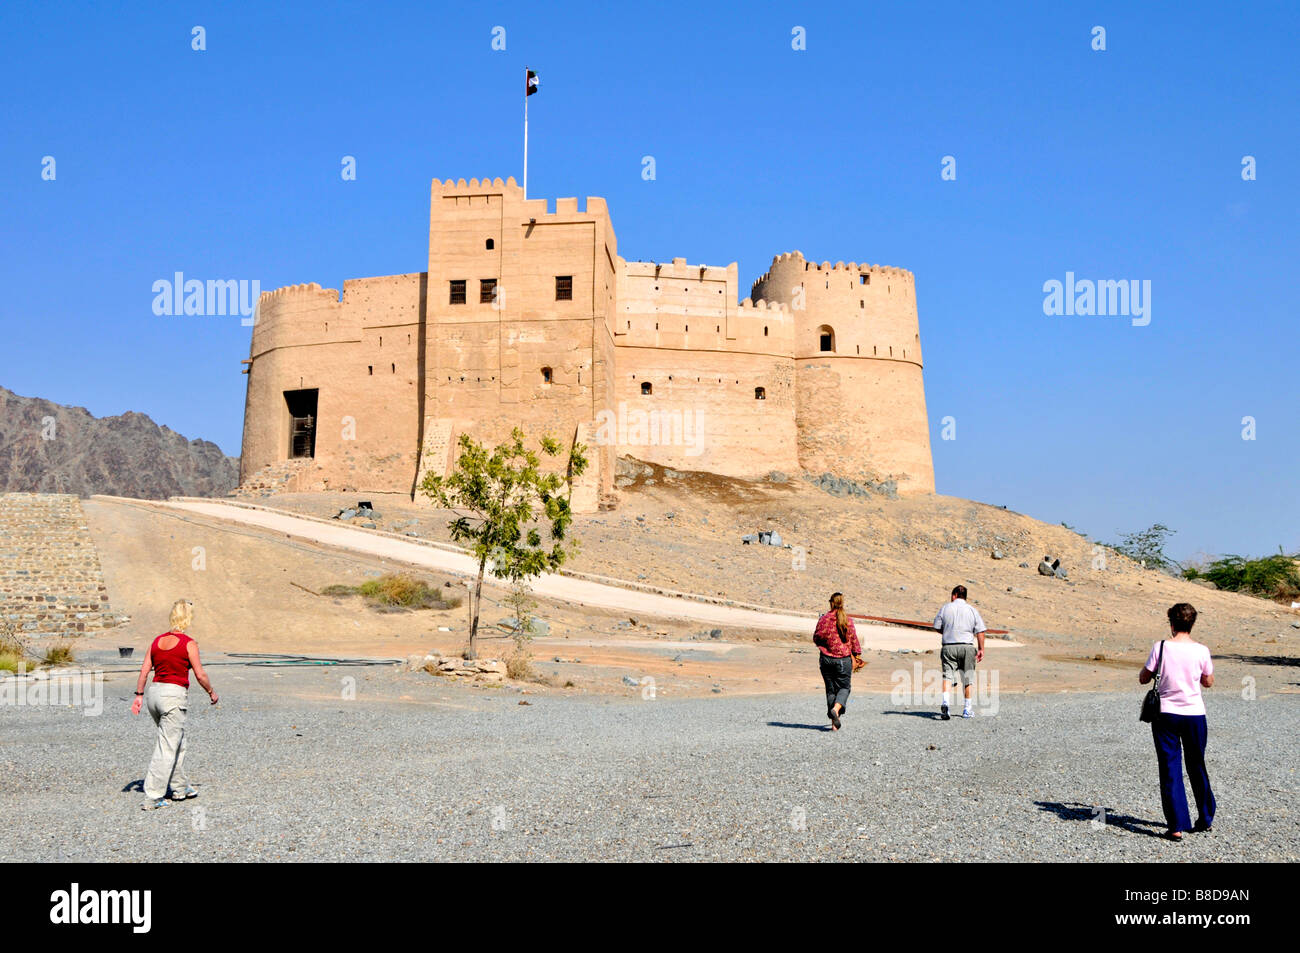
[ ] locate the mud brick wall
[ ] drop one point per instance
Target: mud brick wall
(51, 583)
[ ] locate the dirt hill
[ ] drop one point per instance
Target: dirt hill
(48, 448)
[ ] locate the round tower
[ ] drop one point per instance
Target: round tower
(860, 400)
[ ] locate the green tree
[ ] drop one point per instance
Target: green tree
(1148, 547)
(503, 502)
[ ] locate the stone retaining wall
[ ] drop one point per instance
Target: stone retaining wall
(51, 583)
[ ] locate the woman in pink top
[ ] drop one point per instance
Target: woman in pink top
(171, 658)
(1185, 667)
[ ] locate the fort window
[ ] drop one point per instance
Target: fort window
(457, 292)
(765, 330)
(862, 302)
(564, 287)
(647, 388)
(546, 376)
(859, 349)
(301, 405)
(490, 244)
(760, 393)
(827, 338)
(381, 340)
(864, 279)
(487, 290)
(370, 369)
(394, 368)
(688, 329)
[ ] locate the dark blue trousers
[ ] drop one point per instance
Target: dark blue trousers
(1178, 737)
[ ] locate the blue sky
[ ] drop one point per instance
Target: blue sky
(1122, 164)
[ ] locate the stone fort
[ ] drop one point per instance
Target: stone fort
(527, 316)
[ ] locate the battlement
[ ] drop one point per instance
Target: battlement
(797, 258)
(678, 269)
(475, 186)
(288, 291)
(749, 304)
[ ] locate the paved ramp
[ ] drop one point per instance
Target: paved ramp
(603, 595)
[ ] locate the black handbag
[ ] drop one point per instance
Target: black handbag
(1151, 701)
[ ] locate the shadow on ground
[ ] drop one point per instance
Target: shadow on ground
(1291, 660)
(1076, 811)
(788, 724)
(927, 715)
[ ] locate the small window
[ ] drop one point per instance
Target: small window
(487, 290)
(546, 376)
(864, 279)
(564, 287)
(370, 369)
(647, 388)
(491, 244)
(827, 338)
(862, 302)
(381, 340)
(688, 329)
(760, 393)
(394, 368)
(458, 292)
(765, 330)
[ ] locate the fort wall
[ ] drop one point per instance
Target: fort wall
(860, 398)
(528, 317)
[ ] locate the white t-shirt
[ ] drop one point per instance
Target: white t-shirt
(959, 621)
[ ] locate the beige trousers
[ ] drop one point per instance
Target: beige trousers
(167, 706)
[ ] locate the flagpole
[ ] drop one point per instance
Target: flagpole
(525, 132)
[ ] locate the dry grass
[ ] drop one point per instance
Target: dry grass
(58, 654)
(398, 591)
(10, 662)
(519, 665)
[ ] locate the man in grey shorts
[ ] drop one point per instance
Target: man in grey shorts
(962, 629)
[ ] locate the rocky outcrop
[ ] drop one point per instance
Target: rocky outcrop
(48, 448)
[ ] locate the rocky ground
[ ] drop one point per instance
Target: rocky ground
(897, 558)
(418, 768)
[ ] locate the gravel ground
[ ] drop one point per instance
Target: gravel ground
(420, 769)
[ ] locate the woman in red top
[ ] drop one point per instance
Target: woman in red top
(171, 657)
(837, 640)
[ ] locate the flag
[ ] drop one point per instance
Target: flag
(531, 84)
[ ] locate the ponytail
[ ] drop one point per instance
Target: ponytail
(841, 617)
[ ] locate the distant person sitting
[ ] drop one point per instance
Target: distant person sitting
(962, 629)
(1180, 730)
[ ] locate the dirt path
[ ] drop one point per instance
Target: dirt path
(556, 587)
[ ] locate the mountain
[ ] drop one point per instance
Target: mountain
(48, 448)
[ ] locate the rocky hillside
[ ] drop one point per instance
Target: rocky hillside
(49, 448)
